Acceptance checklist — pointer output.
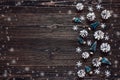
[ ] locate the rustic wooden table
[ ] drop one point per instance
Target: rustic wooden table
(37, 41)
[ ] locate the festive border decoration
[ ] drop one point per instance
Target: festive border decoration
(98, 34)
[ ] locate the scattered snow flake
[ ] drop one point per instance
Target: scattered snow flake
(81, 73)
(79, 64)
(57, 75)
(97, 71)
(78, 50)
(13, 61)
(105, 47)
(70, 72)
(91, 16)
(116, 61)
(103, 25)
(79, 6)
(85, 55)
(90, 8)
(106, 14)
(75, 28)
(107, 73)
(5, 74)
(9, 19)
(115, 15)
(8, 38)
(11, 49)
(42, 74)
(89, 42)
(83, 33)
(100, 1)
(106, 37)
(99, 35)
(96, 62)
(99, 7)
(27, 68)
(18, 3)
(118, 33)
(82, 18)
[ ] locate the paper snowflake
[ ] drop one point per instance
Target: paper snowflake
(85, 55)
(96, 62)
(83, 33)
(105, 14)
(79, 6)
(99, 35)
(81, 73)
(105, 47)
(91, 16)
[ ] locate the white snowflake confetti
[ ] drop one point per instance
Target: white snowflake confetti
(13, 61)
(83, 33)
(70, 72)
(82, 18)
(105, 47)
(27, 68)
(79, 6)
(107, 73)
(103, 25)
(106, 37)
(99, 35)
(78, 50)
(85, 55)
(89, 42)
(42, 74)
(105, 14)
(99, 7)
(118, 33)
(75, 28)
(81, 73)
(96, 62)
(91, 16)
(79, 64)
(5, 74)
(90, 8)
(11, 50)
(97, 71)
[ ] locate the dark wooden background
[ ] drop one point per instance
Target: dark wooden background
(42, 43)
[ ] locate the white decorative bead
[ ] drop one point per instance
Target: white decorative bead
(105, 47)
(99, 35)
(85, 55)
(81, 73)
(79, 6)
(96, 62)
(91, 16)
(83, 33)
(105, 14)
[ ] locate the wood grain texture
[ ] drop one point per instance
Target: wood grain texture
(42, 39)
